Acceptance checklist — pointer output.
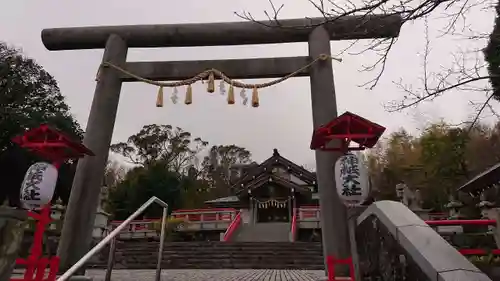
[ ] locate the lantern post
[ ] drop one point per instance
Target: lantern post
(352, 184)
(57, 148)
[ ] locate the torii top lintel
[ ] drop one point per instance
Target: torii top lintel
(220, 34)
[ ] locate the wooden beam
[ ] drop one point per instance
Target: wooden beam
(216, 34)
(234, 69)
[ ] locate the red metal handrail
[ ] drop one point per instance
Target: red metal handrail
(460, 222)
(232, 227)
(478, 252)
(294, 225)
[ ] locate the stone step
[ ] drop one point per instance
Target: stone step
(219, 258)
(216, 255)
(167, 246)
(213, 258)
(219, 255)
(211, 250)
(225, 251)
(223, 265)
(222, 244)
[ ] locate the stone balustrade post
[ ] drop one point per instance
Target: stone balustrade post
(11, 236)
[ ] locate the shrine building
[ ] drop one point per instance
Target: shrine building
(269, 192)
(276, 199)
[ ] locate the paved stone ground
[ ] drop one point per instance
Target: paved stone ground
(212, 275)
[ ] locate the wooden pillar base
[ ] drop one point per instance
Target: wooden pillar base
(11, 236)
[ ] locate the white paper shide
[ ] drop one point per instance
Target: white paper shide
(38, 185)
(351, 180)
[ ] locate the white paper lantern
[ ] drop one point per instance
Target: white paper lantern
(351, 178)
(38, 185)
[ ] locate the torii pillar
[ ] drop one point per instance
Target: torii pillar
(76, 233)
(334, 225)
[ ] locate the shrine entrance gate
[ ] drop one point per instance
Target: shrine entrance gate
(76, 234)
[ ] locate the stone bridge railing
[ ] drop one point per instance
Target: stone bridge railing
(393, 243)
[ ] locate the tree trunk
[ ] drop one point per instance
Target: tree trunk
(11, 236)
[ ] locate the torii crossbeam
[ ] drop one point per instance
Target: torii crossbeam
(76, 233)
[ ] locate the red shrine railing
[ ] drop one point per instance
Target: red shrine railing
(229, 219)
(461, 222)
(193, 219)
(221, 218)
(212, 214)
(475, 222)
(232, 228)
(307, 213)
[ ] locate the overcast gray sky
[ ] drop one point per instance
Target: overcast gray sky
(282, 121)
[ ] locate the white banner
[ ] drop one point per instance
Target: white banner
(38, 185)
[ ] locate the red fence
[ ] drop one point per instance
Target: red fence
(477, 222)
(461, 222)
(195, 219)
(305, 213)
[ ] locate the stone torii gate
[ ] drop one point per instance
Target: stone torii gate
(76, 233)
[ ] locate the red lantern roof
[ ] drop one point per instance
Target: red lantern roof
(51, 144)
(346, 128)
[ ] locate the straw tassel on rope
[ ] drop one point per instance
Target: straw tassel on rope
(159, 97)
(211, 83)
(230, 95)
(210, 75)
(255, 98)
(189, 95)
(98, 74)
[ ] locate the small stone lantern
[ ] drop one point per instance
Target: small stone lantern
(454, 206)
(101, 217)
(486, 206)
(56, 213)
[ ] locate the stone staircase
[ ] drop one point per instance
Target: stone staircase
(263, 232)
(216, 255)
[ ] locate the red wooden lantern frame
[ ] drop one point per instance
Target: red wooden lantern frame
(54, 146)
(347, 128)
(51, 144)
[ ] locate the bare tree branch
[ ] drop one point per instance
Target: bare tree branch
(462, 76)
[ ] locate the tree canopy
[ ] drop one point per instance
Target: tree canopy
(29, 97)
(172, 146)
(174, 166)
(436, 162)
(139, 185)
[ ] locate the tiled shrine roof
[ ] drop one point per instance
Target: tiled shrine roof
(482, 181)
(224, 199)
(276, 160)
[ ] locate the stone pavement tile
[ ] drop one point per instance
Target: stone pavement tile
(211, 275)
